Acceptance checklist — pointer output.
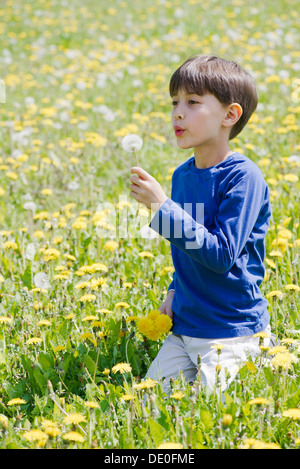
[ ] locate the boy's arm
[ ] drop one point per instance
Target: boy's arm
(238, 211)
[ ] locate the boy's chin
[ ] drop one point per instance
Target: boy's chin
(183, 146)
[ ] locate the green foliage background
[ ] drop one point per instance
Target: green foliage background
(79, 76)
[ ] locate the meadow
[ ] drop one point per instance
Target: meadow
(78, 267)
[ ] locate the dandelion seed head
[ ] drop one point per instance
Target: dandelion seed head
(41, 280)
(131, 143)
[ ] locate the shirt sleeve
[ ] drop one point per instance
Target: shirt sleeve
(219, 248)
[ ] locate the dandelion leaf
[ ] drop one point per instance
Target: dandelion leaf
(90, 364)
(206, 419)
(151, 296)
(40, 379)
(157, 432)
(268, 375)
(46, 361)
(26, 277)
(133, 359)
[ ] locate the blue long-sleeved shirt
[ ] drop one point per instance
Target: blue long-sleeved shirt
(217, 220)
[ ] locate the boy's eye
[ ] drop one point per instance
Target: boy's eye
(174, 103)
(191, 101)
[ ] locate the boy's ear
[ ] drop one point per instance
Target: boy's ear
(233, 114)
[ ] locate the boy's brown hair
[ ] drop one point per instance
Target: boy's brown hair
(225, 79)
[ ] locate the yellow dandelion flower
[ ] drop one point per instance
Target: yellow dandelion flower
(227, 420)
(34, 340)
(277, 349)
(59, 348)
(127, 284)
(92, 404)
(217, 347)
(82, 285)
(3, 421)
(97, 323)
(89, 318)
(104, 311)
(167, 269)
(145, 326)
(96, 267)
(5, 320)
(16, 401)
(110, 246)
(69, 257)
(70, 316)
(87, 298)
(88, 336)
(164, 323)
(259, 401)
(95, 283)
(46, 423)
(177, 395)
(288, 340)
(122, 368)
(154, 325)
(51, 254)
(291, 177)
(283, 360)
(127, 397)
(10, 245)
(79, 225)
(74, 418)
(275, 294)
(146, 384)
(251, 367)
(285, 233)
(36, 436)
(170, 445)
(275, 253)
(73, 436)
(44, 322)
(261, 334)
(62, 276)
(292, 287)
(144, 254)
(47, 191)
(292, 413)
(38, 234)
(122, 304)
(251, 443)
(53, 432)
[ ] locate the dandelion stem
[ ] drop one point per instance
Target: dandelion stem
(52, 397)
(136, 158)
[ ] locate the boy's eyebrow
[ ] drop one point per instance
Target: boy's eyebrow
(187, 94)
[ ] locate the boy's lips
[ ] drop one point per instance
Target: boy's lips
(178, 130)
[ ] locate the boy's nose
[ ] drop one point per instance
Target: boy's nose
(178, 114)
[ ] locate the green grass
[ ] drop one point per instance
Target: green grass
(61, 65)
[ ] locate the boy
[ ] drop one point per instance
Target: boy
(218, 254)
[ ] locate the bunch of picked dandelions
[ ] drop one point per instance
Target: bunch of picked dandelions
(154, 325)
(132, 143)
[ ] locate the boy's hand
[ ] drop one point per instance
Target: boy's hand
(166, 307)
(145, 189)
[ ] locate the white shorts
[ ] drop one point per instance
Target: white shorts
(179, 353)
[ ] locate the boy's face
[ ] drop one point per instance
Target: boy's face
(197, 120)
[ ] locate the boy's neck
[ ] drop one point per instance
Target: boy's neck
(210, 157)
